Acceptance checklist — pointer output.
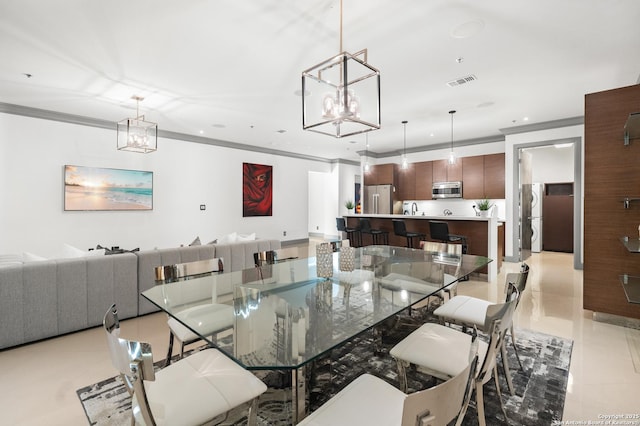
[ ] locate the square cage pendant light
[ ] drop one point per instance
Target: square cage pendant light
(136, 134)
(341, 96)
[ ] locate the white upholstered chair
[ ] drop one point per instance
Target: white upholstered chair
(212, 318)
(369, 400)
(196, 390)
(471, 311)
(440, 351)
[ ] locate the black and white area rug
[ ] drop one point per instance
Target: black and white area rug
(538, 400)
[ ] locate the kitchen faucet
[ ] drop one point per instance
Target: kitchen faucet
(447, 212)
(414, 209)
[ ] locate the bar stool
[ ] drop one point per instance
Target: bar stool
(440, 232)
(378, 236)
(400, 229)
(353, 234)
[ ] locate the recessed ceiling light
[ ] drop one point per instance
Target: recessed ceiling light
(202, 132)
(525, 119)
(218, 126)
(26, 74)
(281, 131)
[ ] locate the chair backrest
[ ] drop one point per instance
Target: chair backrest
(178, 271)
(399, 228)
(270, 257)
(439, 230)
(433, 246)
(497, 321)
(341, 224)
(440, 404)
(365, 225)
(519, 281)
(133, 360)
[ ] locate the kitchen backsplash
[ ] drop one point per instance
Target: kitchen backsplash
(456, 207)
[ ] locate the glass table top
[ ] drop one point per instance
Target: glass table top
(282, 315)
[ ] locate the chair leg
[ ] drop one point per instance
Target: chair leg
(402, 374)
(252, 417)
(497, 382)
(480, 403)
(170, 351)
(515, 348)
(505, 365)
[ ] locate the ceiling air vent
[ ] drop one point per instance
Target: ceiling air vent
(462, 80)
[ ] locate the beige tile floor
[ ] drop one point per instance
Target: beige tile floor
(38, 382)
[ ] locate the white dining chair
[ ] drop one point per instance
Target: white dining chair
(369, 400)
(438, 350)
(471, 311)
(209, 318)
(196, 390)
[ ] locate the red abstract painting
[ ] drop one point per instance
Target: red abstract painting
(256, 190)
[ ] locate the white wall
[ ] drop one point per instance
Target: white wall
(328, 193)
(552, 165)
(34, 151)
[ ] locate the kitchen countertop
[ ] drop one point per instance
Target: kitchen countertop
(441, 217)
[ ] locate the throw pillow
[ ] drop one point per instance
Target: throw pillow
(231, 238)
(196, 242)
(30, 257)
(247, 237)
(70, 252)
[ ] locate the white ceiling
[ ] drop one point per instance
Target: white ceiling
(230, 68)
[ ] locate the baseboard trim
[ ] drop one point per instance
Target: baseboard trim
(616, 320)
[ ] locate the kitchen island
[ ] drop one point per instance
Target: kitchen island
(485, 235)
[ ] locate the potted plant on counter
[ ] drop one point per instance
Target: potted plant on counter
(349, 205)
(484, 206)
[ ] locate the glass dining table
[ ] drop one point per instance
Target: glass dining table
(285, 317)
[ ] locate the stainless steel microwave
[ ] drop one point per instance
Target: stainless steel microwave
(446, 190)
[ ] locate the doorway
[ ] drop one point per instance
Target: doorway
(575, 172)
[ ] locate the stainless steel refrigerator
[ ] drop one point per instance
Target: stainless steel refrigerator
(378, 199)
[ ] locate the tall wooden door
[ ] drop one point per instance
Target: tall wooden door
(557, 213)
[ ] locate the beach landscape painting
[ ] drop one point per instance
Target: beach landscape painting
(95, 188)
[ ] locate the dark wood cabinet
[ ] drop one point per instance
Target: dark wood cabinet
(445, 172)
(473, 177)
(482, 176)
(424, 180)
(406, 182)
(454, 171)
(494, 176)
(380, 174)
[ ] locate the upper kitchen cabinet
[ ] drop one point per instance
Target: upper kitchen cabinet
(424, 180)
(494, 176)
(473, 177)
(380, 174)
(406, 182)
(445, 172)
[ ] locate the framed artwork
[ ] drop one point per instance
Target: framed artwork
(256, 189)
(97, 189)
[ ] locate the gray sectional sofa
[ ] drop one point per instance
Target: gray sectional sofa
(53, 297)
